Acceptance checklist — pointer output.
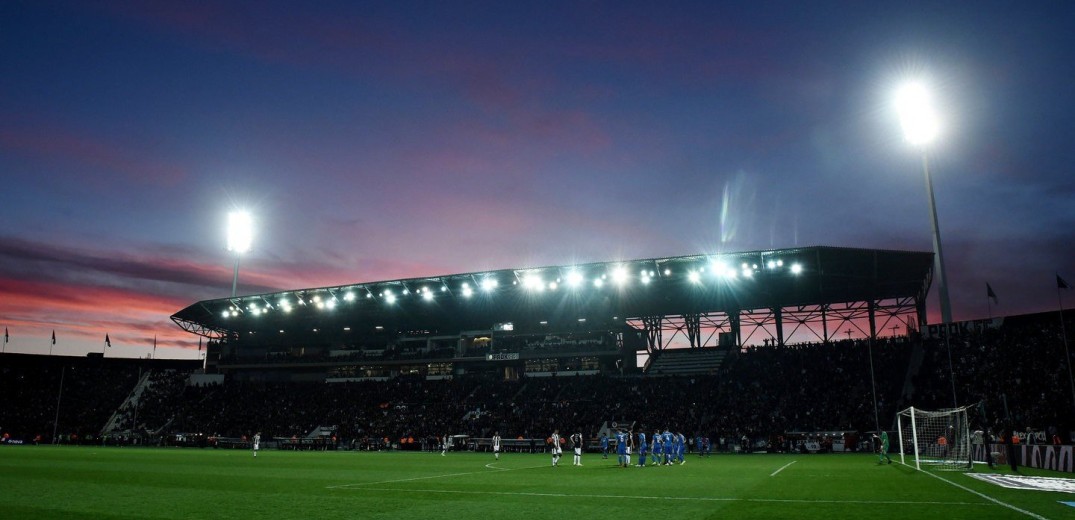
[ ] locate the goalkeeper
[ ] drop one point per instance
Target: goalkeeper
(882, 453)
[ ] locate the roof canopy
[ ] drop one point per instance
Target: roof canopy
(558, 296)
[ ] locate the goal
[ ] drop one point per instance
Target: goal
(939, 439)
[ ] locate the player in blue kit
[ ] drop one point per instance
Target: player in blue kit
(642, 449)
(666, 439)
(604, 445)
(681, 440)
(621, 448)
(655, 448)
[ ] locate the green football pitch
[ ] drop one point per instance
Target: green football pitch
(38, 482)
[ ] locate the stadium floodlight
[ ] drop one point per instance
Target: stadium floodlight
(467, 291)
(796, 268)
(533, 282)
(574, 278)
(553, 286)
(427, 296)
(330, 304)
(389, 297)
(599, 282)
(771, 264)
(921, 126)
(489, 283)
(240, 235)
(226, 314)
(694, 276)
(619, 275)
(919, 120)
(349, 296)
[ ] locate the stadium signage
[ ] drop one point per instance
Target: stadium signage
(502, 356)
(963, 328)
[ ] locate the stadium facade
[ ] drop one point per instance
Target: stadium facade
(572, 319)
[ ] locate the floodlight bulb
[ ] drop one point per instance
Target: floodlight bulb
(240, 231)
(694, 276)
(427, 296)
(619, 275)
(574, 278)
(919, 120)
(796, 268)
(599, 282)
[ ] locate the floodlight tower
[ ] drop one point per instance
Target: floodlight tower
(921, 125)
(240, 234)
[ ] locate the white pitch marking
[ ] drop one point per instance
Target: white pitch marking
(697, 499)
(987, 497)
(773, 474)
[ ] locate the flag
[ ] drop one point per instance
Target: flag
(54, 337)
(199, 344)
(1061, 284)
(989, 292)
(5, 335)
(108, 341)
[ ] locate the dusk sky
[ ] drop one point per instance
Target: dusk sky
(384, 140)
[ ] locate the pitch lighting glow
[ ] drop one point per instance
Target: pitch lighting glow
(796, 268)
(389, 297)
(489, 284)
(694, 276)
(599, 283)
(240, 231)
(574, 279)
(619, 275)
(350, 297)
(919, 120)
(533, 282)
(467, 291)
(427, 296)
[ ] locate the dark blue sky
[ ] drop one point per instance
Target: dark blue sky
(396, 139)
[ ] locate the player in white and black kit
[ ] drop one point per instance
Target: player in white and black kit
(556, 451)
(256, 444)
(496, 445)
(576, 445)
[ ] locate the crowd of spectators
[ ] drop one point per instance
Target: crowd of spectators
(759, 393)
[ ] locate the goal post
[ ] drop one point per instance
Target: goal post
(939, 438)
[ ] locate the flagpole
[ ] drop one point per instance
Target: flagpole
(59, 395)
(1064, 334)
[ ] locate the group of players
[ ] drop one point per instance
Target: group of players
(664, 448)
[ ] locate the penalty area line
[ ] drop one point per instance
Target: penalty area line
(689, 499)
(773, 474)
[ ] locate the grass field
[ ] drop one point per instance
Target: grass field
(38, 482)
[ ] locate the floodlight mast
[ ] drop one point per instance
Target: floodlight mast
(240, 235)
(921, 126)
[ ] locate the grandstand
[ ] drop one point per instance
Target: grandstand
(578, 319)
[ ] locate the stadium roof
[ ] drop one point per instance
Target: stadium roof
(573, 294)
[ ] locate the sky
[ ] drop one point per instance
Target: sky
(384, 140)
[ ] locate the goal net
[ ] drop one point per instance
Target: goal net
(940, 438)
